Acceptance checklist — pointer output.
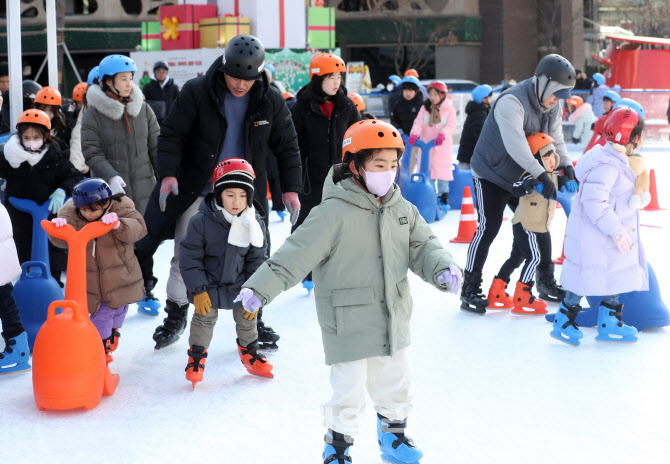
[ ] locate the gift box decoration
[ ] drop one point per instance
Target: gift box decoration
(151, 36)
(321, 28)
(180, 28)
(216, 32)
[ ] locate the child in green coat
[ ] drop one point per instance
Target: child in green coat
(359, 244)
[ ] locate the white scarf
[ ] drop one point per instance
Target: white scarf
(15, 154)
(244, 228)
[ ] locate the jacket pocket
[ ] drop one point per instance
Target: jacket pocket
(356, 311)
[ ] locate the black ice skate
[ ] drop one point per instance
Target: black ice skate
(267, 338)
(173, 325)
(547, 287)
(471, 293)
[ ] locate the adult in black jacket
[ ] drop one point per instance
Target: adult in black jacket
(4, 97)
(322, 114)
(477, 109)
(161, 92)
(191, 144)
(405, 111)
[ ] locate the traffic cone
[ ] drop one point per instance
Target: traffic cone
(468, 221)
(653, 204)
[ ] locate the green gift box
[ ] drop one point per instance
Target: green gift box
(151, 36)
(321, 27)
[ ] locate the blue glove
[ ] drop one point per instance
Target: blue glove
(571, 186)
(57, 198)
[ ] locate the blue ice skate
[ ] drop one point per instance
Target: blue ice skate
(565, 328)
(337, 448)
(16, 355)
(610, 327)
(148, 306)
(396, 448)
(282, 215)
(308, 285)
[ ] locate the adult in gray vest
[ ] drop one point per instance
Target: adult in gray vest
(502, 154)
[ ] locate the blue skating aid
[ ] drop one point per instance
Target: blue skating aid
(388, 433)
(563, 329)
(462, 178)
(16, 355)
(610, 327)
(308, 285)
(282, 215)
(148, 306)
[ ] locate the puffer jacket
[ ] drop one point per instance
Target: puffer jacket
(110, 151)
(472, 127)
(209, 263)
(404, 112)
(583, 119)
(359, 254)
(10, 268)
(441, 157)
(113, 273)
(593, 264)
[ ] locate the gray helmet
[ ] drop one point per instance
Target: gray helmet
(244, 57)
(30, 88)
(558, 69)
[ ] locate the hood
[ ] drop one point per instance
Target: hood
(215, 84)
(347, 190)
(473, 107)
(539, 84)
(599, 155)
(98, 99)
(585, 108)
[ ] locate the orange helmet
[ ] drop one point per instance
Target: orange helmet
(326, 63)
(575, 101)
(48, 96)
(538, 141)
(34, 117)
(411, 72)
(358, 100)
(79, 91)
(288, 95)
(370, 134)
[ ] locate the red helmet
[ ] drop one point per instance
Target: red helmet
(437, 85)
(234, 173)
(619, 124)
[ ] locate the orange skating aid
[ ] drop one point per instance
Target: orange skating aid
(195, 368)
(498, 297)
(524, 301)
(468, 222)
(254, 362)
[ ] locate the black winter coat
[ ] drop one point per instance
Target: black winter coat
(395, 96)
(37, 183)
(191, 140)
(405, 111)
(209, 263)
(320, 138)
(472, 127)
(153, 93)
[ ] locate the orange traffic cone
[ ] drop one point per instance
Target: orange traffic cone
(653, 204)
(468, 221)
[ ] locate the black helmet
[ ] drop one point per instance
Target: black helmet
(30, 88)
(4, 69)
(161, 65)
(558, 69)
(244, 57)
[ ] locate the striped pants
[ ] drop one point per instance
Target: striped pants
(528, 246)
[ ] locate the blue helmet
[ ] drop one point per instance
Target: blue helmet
(89, 191)
(612, 95)
(270, 68)
(632, 104)
(395, 79)
(599, 78)
(410, 80)
(114, 64)
(480, 92)
(93, 76)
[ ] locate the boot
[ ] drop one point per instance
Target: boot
(173, 325)
(254, 362)
(395, 446)
(610, 327)
(149, 304)
(16, 355)
(267, 338)
(498, 297)
(195, 368)
(471, 293)
(547, 287)
(337, 448)
(565, 328)
(443, 201)
(525, 303)
(108, 350)
(114, 339)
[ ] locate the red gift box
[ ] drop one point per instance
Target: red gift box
(180, 28)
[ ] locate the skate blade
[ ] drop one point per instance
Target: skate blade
(518, 310)
(14, 369)
(616, 339)
(470, 309)
(269, 348)
(564, 338)
(391, 460)
(545, 297)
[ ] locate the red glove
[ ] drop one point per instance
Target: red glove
(439, 140)
(412, 139)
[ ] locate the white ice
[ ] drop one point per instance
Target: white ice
(491, 389)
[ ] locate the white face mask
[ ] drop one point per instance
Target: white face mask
(33, 145)
(389, 87)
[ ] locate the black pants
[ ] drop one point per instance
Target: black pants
(533, 247)
(9, 313)
(276, 194)
(491, 202)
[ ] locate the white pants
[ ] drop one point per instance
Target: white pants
(387, 379)
(176, 290)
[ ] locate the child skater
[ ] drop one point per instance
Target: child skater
(359, 243)
(224, 244)
(532, 241)
(113, 275)
(16, 354)
(437, 120)
(603, 252)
